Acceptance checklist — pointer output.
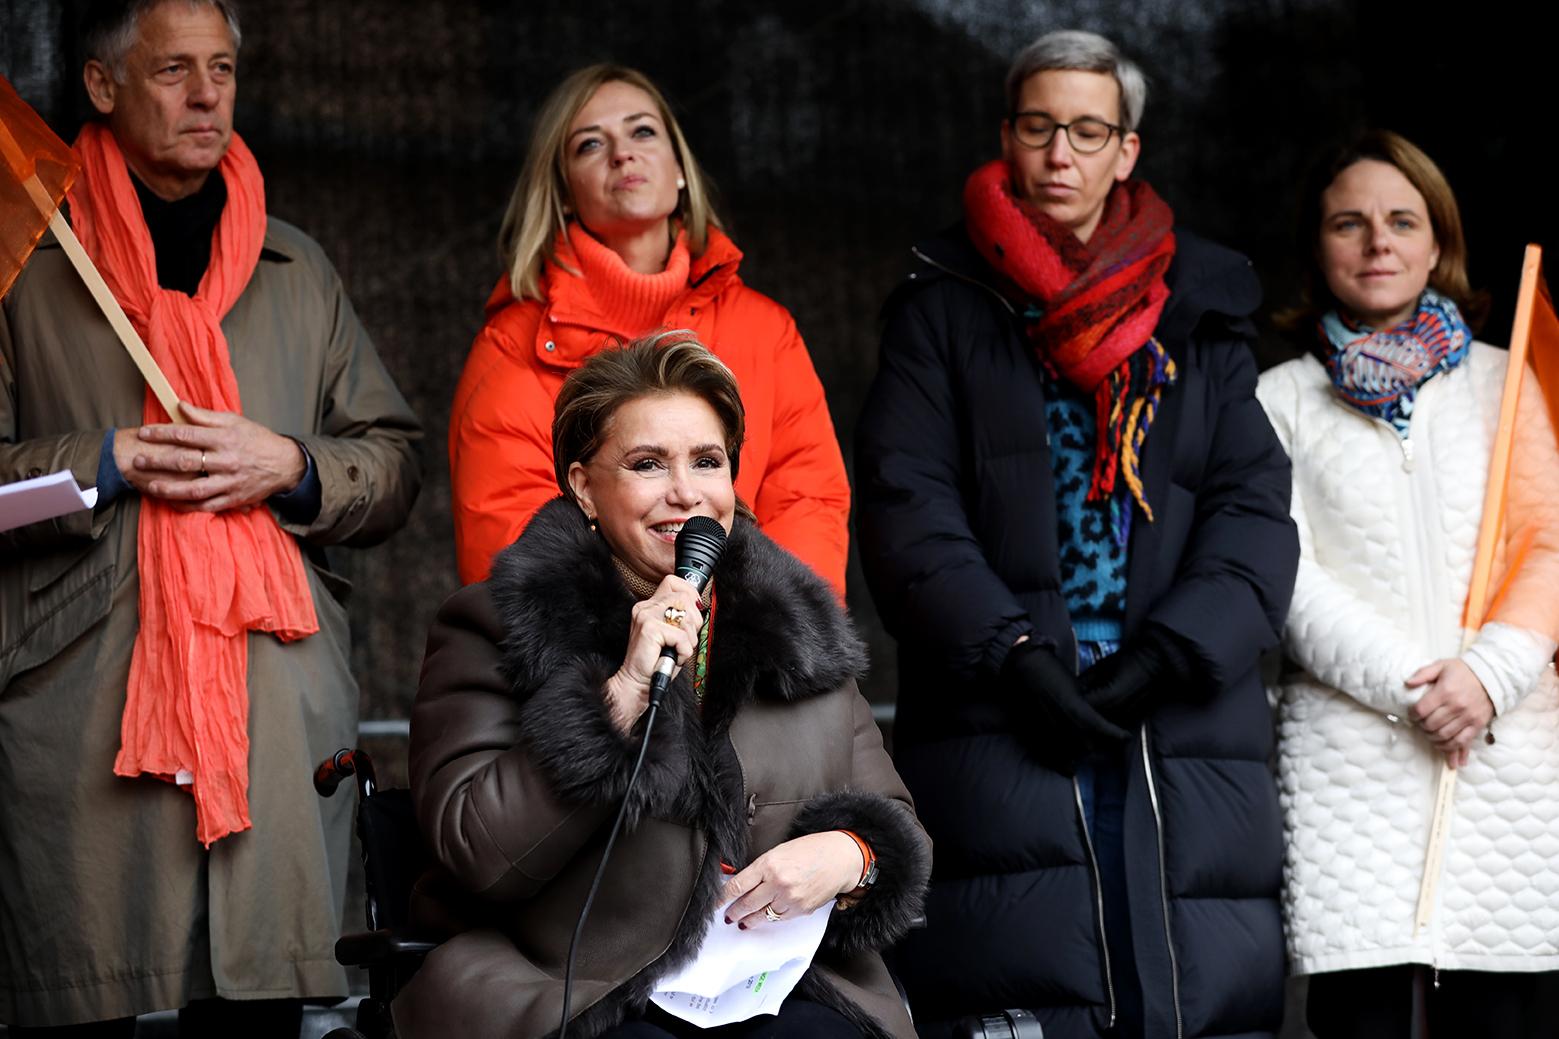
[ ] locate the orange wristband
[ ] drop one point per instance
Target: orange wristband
(868, 860)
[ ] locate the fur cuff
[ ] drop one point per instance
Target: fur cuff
(567, 730)
(903, 867)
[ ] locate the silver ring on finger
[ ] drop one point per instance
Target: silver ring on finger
(674, 615)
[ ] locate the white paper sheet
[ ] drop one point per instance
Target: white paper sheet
(41, 498)
(740, 974)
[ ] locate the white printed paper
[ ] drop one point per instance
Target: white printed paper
(740, 974)
(41, 498)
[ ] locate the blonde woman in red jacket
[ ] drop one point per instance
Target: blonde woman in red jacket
(611, 234)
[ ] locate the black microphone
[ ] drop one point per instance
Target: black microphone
(699, 544)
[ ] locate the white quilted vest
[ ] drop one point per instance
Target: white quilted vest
(1387, 534)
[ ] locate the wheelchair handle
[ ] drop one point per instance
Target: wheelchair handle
(345, 762)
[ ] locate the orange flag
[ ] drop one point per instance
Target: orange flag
(28, 150)
(1516, 567)
(1543, 348)
(36, 169)
(1519, 572)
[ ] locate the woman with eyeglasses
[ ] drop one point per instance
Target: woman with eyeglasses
(1390, 419)
(1073, 516)
(611, 234)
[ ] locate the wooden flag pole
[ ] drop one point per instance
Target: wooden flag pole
(105, 298)
(1483, 562)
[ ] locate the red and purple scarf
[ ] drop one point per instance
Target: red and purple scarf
(1096, 305)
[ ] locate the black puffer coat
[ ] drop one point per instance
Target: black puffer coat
(957, 529)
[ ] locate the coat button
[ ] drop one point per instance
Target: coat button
(351, 472)
(34, 473)
(549, 346)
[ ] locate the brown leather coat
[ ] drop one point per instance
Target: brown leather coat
(517, 773)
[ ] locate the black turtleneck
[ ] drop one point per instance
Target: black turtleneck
(182, 230)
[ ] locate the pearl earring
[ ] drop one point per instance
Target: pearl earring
(681, 183)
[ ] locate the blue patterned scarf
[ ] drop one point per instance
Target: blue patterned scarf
(1379, 372)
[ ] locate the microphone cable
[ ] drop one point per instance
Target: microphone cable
(600, 871)
(700, 543)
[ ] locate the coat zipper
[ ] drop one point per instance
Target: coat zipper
(1163, 883)
(1432, 590)
(1098, 891)
(963, 277)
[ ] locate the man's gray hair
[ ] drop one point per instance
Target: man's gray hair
(1085, 52)
(109, 31)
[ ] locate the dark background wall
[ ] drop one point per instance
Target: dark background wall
(838, 131)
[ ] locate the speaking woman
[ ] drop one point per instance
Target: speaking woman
(611, 235)
(765, 759)
(1390, 421)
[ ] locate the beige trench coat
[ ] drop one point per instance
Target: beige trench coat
(108, 904)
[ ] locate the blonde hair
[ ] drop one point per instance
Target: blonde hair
(661, 364)
(537, 210)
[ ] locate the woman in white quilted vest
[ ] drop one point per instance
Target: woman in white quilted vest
(1390, 420)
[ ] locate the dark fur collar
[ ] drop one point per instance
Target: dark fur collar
(779, 631)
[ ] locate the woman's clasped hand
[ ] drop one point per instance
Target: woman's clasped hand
(1453, 710)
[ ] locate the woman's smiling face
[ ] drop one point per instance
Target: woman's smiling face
(662, 461)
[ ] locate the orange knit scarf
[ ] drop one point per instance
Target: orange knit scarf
(206, 580)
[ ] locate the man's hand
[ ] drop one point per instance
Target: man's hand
(1454, 710)
(219, 461)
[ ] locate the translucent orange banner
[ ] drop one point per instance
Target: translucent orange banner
(1524, 569)
(28, 149)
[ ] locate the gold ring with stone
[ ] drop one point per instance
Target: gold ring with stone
(674, 616)
(769, 912)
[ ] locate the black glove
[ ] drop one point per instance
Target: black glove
(1054, 721)
(1130, 682)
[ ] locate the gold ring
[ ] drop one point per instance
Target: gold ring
(674, 616)
(769, 912)
(203, 470)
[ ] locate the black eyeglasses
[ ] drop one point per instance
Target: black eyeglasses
(1086, 135)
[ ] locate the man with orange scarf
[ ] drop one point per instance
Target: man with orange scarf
(1073, 515)
(176, 659)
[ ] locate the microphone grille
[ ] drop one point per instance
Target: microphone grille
(699, 545)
